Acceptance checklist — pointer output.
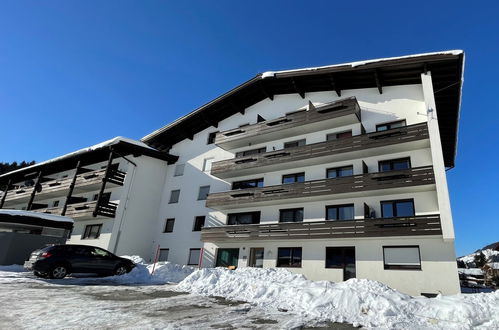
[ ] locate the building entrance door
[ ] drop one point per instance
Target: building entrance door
(227, 257)
(256, 257)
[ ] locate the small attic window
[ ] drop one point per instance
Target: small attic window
(211, 137)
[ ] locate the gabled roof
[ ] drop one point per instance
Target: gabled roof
(446, 69)
(91, 155)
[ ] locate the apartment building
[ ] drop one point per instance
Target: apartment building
(333, 172)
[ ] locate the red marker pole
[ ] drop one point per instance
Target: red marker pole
(155, 260)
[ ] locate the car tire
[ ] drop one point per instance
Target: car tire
(42, 275)
(58, 272)
(121, 270)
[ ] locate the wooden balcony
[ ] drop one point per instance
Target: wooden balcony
(398, 139)
(379, 227)
(84, 210)
(351, 186)
(336, 114)
(87, 181)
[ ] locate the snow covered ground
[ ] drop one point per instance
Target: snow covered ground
(219, 298)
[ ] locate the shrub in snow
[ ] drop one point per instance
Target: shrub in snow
(357, 301)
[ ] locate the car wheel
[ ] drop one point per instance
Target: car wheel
(121, 270)
(58, 272)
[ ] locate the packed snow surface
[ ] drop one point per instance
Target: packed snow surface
(45, 216)
(357, 301)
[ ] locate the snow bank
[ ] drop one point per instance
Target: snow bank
(357, 301)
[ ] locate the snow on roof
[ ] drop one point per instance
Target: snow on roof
(101, 145)
(270, 74)
(488, 253)
(45, 216)
(470, 271)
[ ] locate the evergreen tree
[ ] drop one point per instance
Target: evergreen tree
(8, 167)
(480, 260)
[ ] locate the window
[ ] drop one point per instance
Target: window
(255, 183)
(401, 257)
(245, 218)
(95, 251)
(207, 164)
(292, 178)
(291, 215)
(341, 258)
(169, 223)
(211, 137)
(194, 255)
(174, 196)
(198, 223)
(251, 152)
(92, 231)
(339, 172)
(398, 208)
(387, 126)
(394, 164)
(340, 212)
(179, 170)
(203, 192)
(289, 257)
(337, 136)
(55, 204)
(163, 254)
(293, 144)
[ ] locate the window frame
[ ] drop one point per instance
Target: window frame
(189, 257)
(335, 134)
(171, 200)
(250, 152)
(167, 222)
(299, 143)
(343, 255)
(294, 210)
(336, 169)
(291, 254)
(167, 256)
(391, 161)
(88, 230)
(253, 214)
(211, 137)
(199, 193)
(389, 124)
(394, 209)
(295, 176)
(256, 181)
(401, 267)
(337, 211)
(195, 226)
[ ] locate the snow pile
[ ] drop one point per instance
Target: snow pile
(357, 301)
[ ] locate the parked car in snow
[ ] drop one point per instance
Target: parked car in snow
(57, 261)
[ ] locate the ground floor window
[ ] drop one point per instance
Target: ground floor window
(227, 257)
(92, 231)
(163, 254)
(289, 257)
(194, 255)
(341, 258)
(402, 257)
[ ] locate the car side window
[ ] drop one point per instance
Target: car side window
(82, 251)
(100, 253)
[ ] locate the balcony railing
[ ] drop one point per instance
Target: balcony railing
(84, 210)
(317, 189)
(54, 188)
(406, 226)
(340, 113)
(317, 153)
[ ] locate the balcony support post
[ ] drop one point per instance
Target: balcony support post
(33, 193)
(104, 181)
(71, 188)
(5, 193)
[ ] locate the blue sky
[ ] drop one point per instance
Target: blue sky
(74, 73)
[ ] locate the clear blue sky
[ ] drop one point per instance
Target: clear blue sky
(74, 73)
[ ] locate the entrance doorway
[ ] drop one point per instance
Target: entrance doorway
(342, 258)
(256, 257)
(227, 257)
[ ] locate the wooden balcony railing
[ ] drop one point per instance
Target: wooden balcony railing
(84, 210)
(313, 153)
(60, 186)
(357, 183)
(340, 113)
(379, 227)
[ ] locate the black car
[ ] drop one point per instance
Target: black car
(57, 261)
